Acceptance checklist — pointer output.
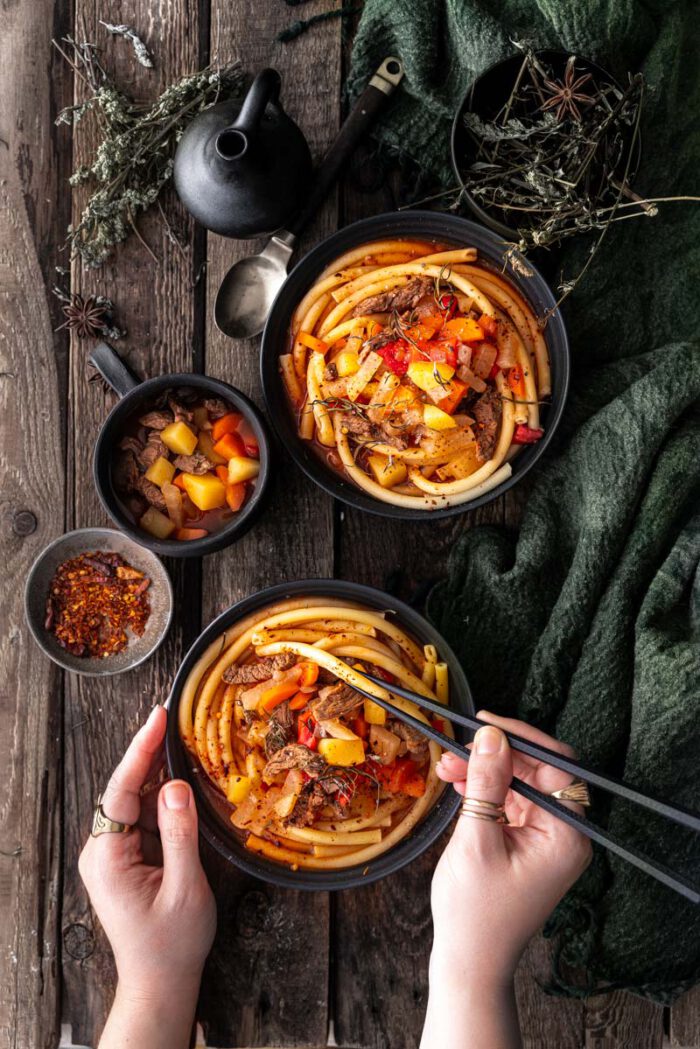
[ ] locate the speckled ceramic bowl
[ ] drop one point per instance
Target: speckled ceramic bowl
(83, 541)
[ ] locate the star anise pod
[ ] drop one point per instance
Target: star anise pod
(88, 317)
(566, 94)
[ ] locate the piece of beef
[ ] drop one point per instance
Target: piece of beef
(181, 412)
(193, 464)
(283, 715)
(156, 420)
(294, 756)
(126, 471)
(335, 701)
(366, 432)
(131, 444)
(260, 671)
(216, 407)
(487, 413)
(155, 449)
(151, 492)
(276, 738)
(405, 297)
(311, 799)
(415, 741)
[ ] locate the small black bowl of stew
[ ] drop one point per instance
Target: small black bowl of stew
(182, 462)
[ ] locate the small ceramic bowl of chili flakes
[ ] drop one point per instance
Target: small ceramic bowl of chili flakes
(98, 603)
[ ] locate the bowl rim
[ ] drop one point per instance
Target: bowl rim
(405, 851)
(486, 217)
(406, 223)
(243, 520)
(98, 532)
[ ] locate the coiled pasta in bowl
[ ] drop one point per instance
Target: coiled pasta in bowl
(415, 365)
(299, 779)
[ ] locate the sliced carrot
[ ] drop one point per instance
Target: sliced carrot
(222, 473)
(230, 444)
(318, 345)
(276, 694)
(299, 701)
(235, 495)
(226, 424)
(489, 325)
(516, 382)
(178, 481)
(191, 533)
(457, 391)
(309, 673)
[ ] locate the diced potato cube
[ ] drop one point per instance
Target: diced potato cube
(157, 524)
(436, 419)
(205, 445)
(374, 714)
(387, 472)
(238, 789)
(428, 374)
(207, 492)
(342, 751)
(160, 472)
(241, 468)
(347, 363)
(179, 438)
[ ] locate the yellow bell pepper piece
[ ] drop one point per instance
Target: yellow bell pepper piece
(347, 363)
(428, 374)
(160, 472)
(374, 714)
(179, 438)
(387, 472)
(207, 492)
(342, 751)
(436, 419)
(238, 788)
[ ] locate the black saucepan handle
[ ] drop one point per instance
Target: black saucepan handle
(113, 369)
(383, 83)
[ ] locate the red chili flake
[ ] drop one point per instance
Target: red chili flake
(92, 601)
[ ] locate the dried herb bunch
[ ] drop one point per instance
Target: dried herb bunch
(556, 159)
(134, 159)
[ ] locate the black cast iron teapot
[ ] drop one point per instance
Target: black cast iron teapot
(243, 170)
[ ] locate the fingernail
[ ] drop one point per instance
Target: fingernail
(153, 714)
(488, 740)
(176, 795)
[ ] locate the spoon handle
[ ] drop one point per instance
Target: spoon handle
(383, 83)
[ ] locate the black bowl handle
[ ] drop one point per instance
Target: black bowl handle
(384, 82)
(113, 369)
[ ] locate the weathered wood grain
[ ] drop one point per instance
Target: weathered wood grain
(32, 386)
(685, 1021)
(623, 1021)
(545, 1022)
(157, 303)
(267, 979)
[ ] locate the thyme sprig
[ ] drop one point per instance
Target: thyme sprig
(134, 159)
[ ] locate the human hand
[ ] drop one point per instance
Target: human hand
(150, 893)
(496, 884)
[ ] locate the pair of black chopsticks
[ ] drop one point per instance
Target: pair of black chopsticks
(685, 817)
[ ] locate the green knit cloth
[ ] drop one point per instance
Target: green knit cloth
(587, 622)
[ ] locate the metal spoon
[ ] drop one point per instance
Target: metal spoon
(249, 288)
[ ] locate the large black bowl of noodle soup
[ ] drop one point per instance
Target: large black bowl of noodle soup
(441, 229)
(214, 811)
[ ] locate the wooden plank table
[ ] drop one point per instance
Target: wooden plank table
(287, 969)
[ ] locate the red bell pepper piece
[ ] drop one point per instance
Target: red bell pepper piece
(524, 435)
(449, 304)
(494, 372)
(395, 355)
(305, 732)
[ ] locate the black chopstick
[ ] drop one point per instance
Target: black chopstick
(677, 813)
(629, 853)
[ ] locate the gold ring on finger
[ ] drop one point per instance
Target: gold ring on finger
(576, 791)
